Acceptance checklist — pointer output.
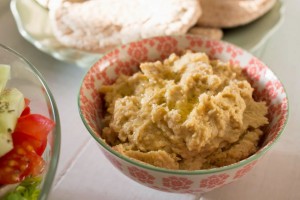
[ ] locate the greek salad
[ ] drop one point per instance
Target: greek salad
(23, 139)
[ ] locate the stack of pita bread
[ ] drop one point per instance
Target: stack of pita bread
(100, 25)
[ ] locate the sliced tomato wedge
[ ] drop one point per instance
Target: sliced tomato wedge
(27, 102)
(19, 163)
(26, 110)
(20, 138)
(35, 125)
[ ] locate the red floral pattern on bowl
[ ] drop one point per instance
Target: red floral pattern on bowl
(126, 59)
(142, 175)
(177, 183)
(214, 181)
(242, 172)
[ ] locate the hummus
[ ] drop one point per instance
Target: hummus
(186, 112)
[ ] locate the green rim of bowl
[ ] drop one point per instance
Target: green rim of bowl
(255, 156)
(52, 166)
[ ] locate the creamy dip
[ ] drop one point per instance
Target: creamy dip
(186, 112)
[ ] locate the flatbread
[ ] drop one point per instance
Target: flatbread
(50, 4)
(211, 33)
(99, 25)
(231, 13)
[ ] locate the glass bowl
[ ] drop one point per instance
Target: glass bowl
(26, 78)
(126, 59)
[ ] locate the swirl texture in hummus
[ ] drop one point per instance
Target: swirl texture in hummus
(186, 112)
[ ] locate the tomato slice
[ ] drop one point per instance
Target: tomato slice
(19, 163)
(26, 110)
(27, 102)
(35, 125)
(20, 138)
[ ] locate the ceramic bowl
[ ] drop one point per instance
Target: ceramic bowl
(26, 78)
(126, 59)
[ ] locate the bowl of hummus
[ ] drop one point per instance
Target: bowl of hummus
(182, 113)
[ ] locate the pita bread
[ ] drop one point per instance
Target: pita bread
(99, 25)
(231, 13)
(50, 4)
(212, 33)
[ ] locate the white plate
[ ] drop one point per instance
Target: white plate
(33, 24)
(253, 36)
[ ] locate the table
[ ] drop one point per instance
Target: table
(84, 173)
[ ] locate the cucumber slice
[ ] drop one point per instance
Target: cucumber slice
(11, 106)
(4, 76)
(6, 143)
